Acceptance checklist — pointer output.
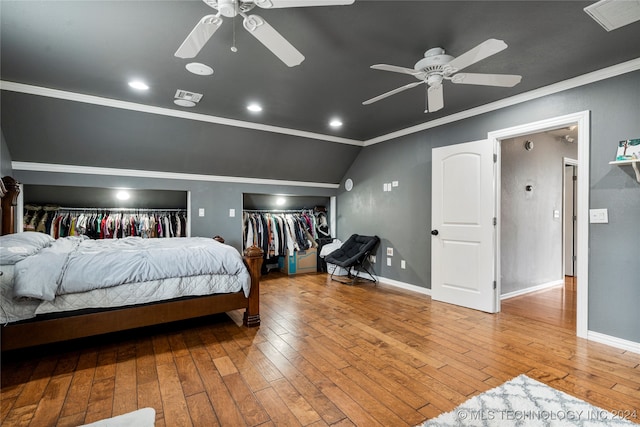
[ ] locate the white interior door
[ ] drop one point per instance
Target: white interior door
(463, 242)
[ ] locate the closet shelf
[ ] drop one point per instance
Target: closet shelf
(635, 164)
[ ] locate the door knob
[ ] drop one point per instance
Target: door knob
(434, 232)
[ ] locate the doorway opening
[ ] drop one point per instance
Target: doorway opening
(581, 121)
(532, 211)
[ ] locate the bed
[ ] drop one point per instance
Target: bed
(46, 297)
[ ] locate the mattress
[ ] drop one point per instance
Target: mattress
(12, 310)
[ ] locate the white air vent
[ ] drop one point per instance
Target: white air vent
(613, 14)
(188, 96)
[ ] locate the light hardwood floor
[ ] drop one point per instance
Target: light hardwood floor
(326, 354)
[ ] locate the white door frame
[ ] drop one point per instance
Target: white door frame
(582, 120)
(567, 161)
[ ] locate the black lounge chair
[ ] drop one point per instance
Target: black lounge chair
(353, 256)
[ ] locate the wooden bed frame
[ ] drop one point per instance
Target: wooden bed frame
(36, 332)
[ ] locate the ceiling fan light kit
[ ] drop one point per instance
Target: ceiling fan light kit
(437, 66)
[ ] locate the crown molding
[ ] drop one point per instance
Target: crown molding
(585, 79)
(125, 105)
(94, 170)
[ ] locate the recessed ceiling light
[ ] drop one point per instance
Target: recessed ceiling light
(184, 102)
(198, 68)
(138, 84)
(335, 123)
(254, 108)
(122, 195)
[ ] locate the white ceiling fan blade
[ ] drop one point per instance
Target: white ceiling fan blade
(478, 53)
(504, 80)
(435, 98)
(396, 69)
(272, 39)
(392, 92)
(273, 4)
(199, 36)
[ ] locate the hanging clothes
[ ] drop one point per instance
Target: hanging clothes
(280, 232)
(98, 223)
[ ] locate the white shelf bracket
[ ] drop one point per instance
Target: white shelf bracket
(634, 164)
(635, 168)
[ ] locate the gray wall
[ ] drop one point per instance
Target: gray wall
(531, 237)
(5, 157)
(49, 130)
(215, 197)
(402, 217)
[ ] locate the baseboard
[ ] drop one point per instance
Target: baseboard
(403, 285)
(531, 289)
(614, 341)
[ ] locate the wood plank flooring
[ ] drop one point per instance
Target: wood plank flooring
(556, 306)
(325, 354)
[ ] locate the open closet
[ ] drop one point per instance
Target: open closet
(289, 229)
(105, 213)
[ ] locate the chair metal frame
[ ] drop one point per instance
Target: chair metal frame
(360, 267)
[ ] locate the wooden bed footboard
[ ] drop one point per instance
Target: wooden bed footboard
(36, 332)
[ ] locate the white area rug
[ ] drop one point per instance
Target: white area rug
(527, 402)
(145, 417)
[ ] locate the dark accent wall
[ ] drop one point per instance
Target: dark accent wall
(402, 217)
(49, 130)
(5, 157)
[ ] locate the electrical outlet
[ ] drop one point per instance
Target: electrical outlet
(395, 183)
(389, 251)
(403, 264)
(201, 212)
(389, 262)
(232, 213)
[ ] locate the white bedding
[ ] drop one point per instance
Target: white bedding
(139, 286)
(72, 265)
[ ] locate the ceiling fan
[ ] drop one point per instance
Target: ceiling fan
(254, 24)
(436, 66)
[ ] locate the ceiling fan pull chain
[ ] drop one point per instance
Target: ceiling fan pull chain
(234, 49)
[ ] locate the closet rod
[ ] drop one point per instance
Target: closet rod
(277, 210)
(122, 209)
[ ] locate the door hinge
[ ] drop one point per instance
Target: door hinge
(495, 158)
(495, 285)
(575, 177)
(495, 221)
(575, 257)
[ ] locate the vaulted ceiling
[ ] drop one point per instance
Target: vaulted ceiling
(95, 47)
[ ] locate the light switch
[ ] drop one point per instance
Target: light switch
(389, 251)
(389, 262)
(232, 213)
(598, 216)
(403, 264)
(201, 212)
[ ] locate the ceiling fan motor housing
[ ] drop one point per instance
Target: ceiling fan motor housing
(434, 62)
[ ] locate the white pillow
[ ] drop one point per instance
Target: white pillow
(18, 246)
